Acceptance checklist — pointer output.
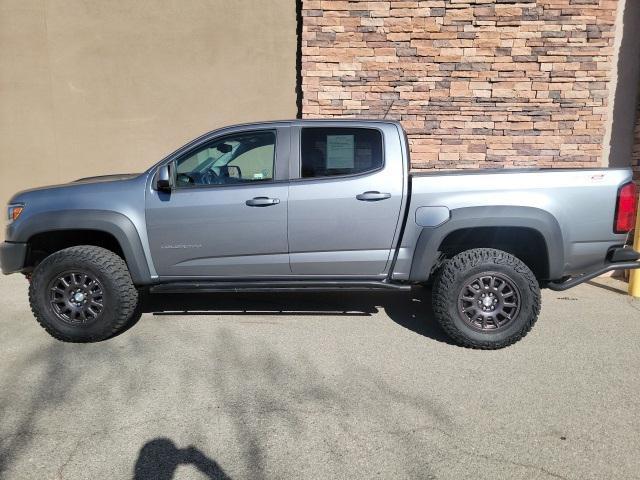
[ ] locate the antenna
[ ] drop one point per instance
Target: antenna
(389, 109)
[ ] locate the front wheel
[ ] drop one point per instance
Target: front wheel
(83, 294)
(486, 298)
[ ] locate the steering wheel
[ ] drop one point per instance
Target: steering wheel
(209, 177)
(184, 179)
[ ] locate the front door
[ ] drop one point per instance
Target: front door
(227, 213)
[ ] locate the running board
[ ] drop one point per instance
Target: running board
(573, 281)
(275, 286)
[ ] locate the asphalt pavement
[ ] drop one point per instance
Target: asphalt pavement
(352, 386)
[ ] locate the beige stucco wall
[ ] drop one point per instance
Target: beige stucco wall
(90, 87)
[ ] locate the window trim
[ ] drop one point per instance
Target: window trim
(173, 162)
(298, 172)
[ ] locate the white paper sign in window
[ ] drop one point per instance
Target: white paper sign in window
(341, 151)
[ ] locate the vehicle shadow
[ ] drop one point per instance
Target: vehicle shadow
(159, 458)
(411, 310)
(599, 284)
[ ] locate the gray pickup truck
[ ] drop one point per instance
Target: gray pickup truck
(317, 205)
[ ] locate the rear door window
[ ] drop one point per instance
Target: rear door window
(333, 151)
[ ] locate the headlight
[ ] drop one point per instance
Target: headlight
(14, 212)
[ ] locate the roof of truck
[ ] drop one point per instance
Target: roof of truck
(302, 121)
(292, 122)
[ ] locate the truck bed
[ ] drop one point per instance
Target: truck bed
(575, 205)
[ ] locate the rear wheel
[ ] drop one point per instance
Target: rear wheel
(83, 294)
(486, 298)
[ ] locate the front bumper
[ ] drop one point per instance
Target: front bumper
(12, 257)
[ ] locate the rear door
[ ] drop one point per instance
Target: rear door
(345, 198)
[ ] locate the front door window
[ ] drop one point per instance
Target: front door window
(239, 158)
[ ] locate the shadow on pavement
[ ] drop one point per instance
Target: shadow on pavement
(72, 394)
(412, 310)
(159, 458)
(599, 284)
(50, 381)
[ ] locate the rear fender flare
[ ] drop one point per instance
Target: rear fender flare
(543, 222)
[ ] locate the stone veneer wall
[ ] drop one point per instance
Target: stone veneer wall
(476, 83)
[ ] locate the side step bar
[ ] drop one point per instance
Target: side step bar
(275, 286)
(573, 281)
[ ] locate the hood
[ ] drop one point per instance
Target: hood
(82, 184)
(106, 178)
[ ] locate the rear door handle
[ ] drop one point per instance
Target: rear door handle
(262, 202)
(373, 196)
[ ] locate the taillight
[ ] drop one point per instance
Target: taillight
(626, 208)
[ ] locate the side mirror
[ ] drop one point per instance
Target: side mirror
(163, 179)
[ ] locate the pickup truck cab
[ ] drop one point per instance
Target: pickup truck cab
(317, 205)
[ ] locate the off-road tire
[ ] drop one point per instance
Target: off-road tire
(120, 297)
(135, 317)
(457, 272)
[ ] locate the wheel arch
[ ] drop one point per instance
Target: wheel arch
(111, 230)
(493, 227)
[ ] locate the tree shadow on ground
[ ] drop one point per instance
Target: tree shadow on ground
(159, 458)
(46, 382)
(273, 402)
(253, 386)
(411, 310)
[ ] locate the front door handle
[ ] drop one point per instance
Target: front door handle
(262, 202)
(373, 196)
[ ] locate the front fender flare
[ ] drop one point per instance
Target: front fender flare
(113, 223)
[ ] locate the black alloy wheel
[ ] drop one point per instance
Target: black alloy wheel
(76, 297)
(489, 302)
